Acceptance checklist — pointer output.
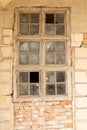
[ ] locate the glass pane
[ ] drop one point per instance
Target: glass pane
(23, 77)
(50, 76)
(60, 76)
(60, 30)
(33, 59)
(50, 30)
(50, 89)
(34, 18)
(24, 29)
(34, 46)
(23, 46)
(23, 58)
(24, 17)
(34, 29)
(61, 89)
(60, 18)
(49, 18)
(34, 77)
(34, 90)
(60, 46)
(23, 89)
(50, 46)
(60, 59)
(50, 59)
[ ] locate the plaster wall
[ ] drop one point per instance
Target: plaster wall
(78, 105)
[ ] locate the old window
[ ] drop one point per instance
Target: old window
(42, 61)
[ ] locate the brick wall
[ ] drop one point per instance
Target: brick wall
(43, 115)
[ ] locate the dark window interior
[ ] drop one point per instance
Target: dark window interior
(34, 77)
(49, 18)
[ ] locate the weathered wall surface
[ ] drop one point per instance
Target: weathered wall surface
(45, 115)
(6, 55)
(81, 85)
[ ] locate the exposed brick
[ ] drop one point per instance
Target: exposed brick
(44, 115)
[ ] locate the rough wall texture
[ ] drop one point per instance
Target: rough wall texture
(81, 85)
(43, 116)
(64, 115)
(6, 106)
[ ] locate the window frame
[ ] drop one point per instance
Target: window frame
(42, 67)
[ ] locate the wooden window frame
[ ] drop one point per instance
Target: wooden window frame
(42, 68)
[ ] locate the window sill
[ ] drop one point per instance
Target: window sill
(41, 99)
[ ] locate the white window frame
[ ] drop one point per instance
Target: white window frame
(42, 68)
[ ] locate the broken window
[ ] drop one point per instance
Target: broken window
(28, 83)
(55, 24)
(42, 52)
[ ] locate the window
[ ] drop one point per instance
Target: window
(42, 61)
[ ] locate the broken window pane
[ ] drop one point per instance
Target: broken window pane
(24, 17)
(60, 76)
(60, 30)
(23, 58)
(34, 77)
(50, 59)
(24, 29)
(34, 18)
(59, 18)
(50, 89)
(34, 46)
(34, 59)
(50, 46)
(34, 89)
(61, 89)
(50, 76)
(23, 77)
(34, 29)
(23, 89)
(49, 18)
(23, 46)
(60, 46)
(60, 59)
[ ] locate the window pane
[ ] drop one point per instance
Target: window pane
(50, 77)
(34, 46)
(61, 89)
(33, 59)
(60, 46)
(23, 46)
(50, 46)
(34, 77)
(24, 17)
(34, 18)
(50, 30)
(23, 89)
(60, 30)
(49, 18)
(60, 18)
(23, 58)
(23, 77)
(24, 29)
(60, 76)
(34, 29)
(50, 89)
(50, 59)
(60, 59)
(34, 90)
